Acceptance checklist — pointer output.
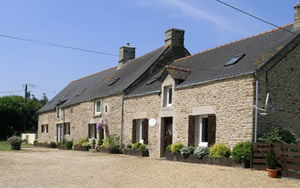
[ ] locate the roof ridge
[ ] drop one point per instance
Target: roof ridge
(132, 60)
(95, 74)
(233, 42)
(180, 68)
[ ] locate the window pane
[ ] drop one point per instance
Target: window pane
(98, 108)
(205, 130)
(170, 96)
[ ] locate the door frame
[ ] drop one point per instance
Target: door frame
(162, 134)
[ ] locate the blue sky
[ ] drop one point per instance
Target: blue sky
(106, 26)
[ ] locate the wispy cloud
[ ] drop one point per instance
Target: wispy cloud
(188, 9)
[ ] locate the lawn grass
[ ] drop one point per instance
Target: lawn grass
(5, 146)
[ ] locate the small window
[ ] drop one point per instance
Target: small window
(235, 59)
(201, 131)
(106, 108)
(59, 112)
(98, 107)
(113, 81)
(168, 96)
(44, 128)
(140, 131)
(92, 131)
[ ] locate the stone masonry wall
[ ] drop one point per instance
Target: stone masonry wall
(231, 100)
(79, 116)
(140, 108)
(282, 81)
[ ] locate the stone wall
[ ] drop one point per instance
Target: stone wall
(282, 81)
(79, 116)
(231, 100)
(140, 108)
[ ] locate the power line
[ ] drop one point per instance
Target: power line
(55, 45)
(251, 15)
(16, 91)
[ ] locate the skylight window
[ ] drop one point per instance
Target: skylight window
(113, 81)
(151, 81)
(235, 59)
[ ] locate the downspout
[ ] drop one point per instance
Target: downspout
(256, 110)
(122, 120)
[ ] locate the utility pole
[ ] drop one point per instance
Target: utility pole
(26, 94)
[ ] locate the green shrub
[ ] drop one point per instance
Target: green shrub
(168, 148)
(271, 159)
(68, 144)
(111, 142)
(82, 141)
(94, 142)
(187, 150)
(15, 140)
(86, 144)
(142, 147)
(175, 148)
(219, 151)
(100, 142)
(129, 146)
(52, 145)
(136, 145)
(241, 152)
(201, 152)
(277, 134)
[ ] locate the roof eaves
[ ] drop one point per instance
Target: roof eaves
(212, 80)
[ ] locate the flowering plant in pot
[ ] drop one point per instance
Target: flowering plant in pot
(272, 164)
(15, 142)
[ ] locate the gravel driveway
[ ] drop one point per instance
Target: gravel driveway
(39, 167)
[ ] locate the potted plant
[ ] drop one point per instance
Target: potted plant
(15, 142)
(272, 164)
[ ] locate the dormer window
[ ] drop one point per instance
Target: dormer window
(97, 107)
(168, 96)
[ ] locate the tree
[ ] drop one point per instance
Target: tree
(18, 116)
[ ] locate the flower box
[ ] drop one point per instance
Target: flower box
(205, 160)
(62, 147)
(110, 150)
(81, 148)
(135, 152)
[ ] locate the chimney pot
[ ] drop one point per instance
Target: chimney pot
(174, 37)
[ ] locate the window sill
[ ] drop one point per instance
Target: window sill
(97, 115)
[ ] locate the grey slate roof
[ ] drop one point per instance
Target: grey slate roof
(209, 65)
(96, 85)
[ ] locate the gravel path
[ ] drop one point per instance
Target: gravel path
(39, 167)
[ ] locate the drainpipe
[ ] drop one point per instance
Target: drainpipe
(256, 111)
(122, 120)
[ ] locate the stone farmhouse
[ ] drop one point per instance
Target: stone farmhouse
(228, 94)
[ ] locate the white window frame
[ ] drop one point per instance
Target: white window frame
(139, 131)
(199, 128)
(95, 110)
(59, 112)
(167, 96)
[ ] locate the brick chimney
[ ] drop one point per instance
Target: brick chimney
(174, 37)
(126, 53)
(297, 17)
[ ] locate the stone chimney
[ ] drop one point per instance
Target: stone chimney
(174, 37)
(297, 17)
(126, 53)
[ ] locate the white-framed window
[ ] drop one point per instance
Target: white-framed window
(59, 112)
(98, 107)
(139, 131)
(92, 130)
(44, 128)
(201, 131)
(168, 96)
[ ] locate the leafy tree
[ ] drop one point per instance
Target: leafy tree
(18, 116)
